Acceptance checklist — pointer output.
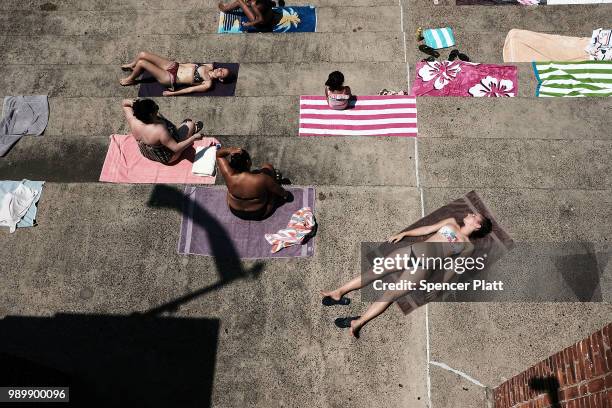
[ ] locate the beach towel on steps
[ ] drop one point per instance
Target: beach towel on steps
(22, 115)
(18, 201)
(300, 227)
(459, 78)
(376, 115)
(578, 79)
(125, 164)
(299, 19)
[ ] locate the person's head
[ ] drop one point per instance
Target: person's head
(222, 75)
(145, 110)
(480, 224)
(240, 161)
(335, 81)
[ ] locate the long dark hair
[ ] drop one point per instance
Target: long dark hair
(335, 81)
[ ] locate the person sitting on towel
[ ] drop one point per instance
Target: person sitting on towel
(259, 12)
(251, 194)
(158, 139)
(336, 93)
(191, 77)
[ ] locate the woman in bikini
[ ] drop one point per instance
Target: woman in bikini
(453, 240)
(259, 12)
(189, 77)
(251, 194)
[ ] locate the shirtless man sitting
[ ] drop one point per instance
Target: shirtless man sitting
(251, 194)
(158, 139)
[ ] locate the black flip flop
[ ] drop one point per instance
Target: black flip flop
(463, 57)
(429, 59)
(428, 50)
(198, 127)
(345, 322)
(329, 301)
(453, 55)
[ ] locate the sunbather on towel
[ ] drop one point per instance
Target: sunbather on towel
(453, 239)
(337, 94)
(251, 194)
(158, 139)
(190, 77)
(259, 12)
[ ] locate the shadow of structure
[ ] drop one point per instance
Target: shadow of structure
(550, 385)
(112, 361)
(227, 261)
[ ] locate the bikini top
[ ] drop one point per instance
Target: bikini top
(197, 78)
(456, 246)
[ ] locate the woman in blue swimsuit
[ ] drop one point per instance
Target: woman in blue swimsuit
(453, 241)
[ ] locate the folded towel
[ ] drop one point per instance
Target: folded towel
(300, 227)
(205, 160)
(438, 38)
(22, 115)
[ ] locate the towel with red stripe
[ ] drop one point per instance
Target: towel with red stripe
(300, 227)
(377, 115)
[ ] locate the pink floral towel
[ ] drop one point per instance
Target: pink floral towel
(299, 228)
(459, 78)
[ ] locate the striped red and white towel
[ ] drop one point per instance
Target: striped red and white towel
(378, 115)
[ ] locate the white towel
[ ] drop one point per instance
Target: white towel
(205, 160)
(15, 205)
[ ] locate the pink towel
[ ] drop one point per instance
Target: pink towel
(125, 164)
(376, 115)
(459, 78)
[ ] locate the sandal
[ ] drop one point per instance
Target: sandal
(428, 50)
(199, 125)
(345, 322)
(456, 54)
(329, 301)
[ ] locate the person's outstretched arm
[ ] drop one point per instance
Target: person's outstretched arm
(188, 90)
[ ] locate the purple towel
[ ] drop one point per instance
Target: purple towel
(209, 228)
(149, 87)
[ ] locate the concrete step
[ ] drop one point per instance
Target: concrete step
(515, 163)
(576, 19)
(514, 118)
(282, 79)
(354, 161)
(539, 214)
(119, 243)
(179, 21)
(130, 5)
(269, 48)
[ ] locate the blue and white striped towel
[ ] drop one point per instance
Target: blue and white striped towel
(438, 38)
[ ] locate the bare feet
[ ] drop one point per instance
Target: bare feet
(355, 327)
(334, 294)
(127, 82)
(128, 67)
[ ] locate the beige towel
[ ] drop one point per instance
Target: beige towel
(528, 46)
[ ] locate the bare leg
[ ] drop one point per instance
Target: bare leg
(161, 62)
(190, 129)
(358, 282)
(375, 310)
(238, 4)
(160, 74)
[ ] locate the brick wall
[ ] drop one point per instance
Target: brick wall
(579, 376)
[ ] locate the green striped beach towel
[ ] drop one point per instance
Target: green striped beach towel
(584, 78)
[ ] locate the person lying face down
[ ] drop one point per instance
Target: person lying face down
(454, 241)
(158, 139)
(337, 94)
(171, 74)
(251, 194)
(259, 13)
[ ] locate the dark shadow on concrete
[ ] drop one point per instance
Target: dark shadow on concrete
(112, 361)
(228, 263)
(550, 385)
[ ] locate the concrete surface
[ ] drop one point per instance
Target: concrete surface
(542, 166)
